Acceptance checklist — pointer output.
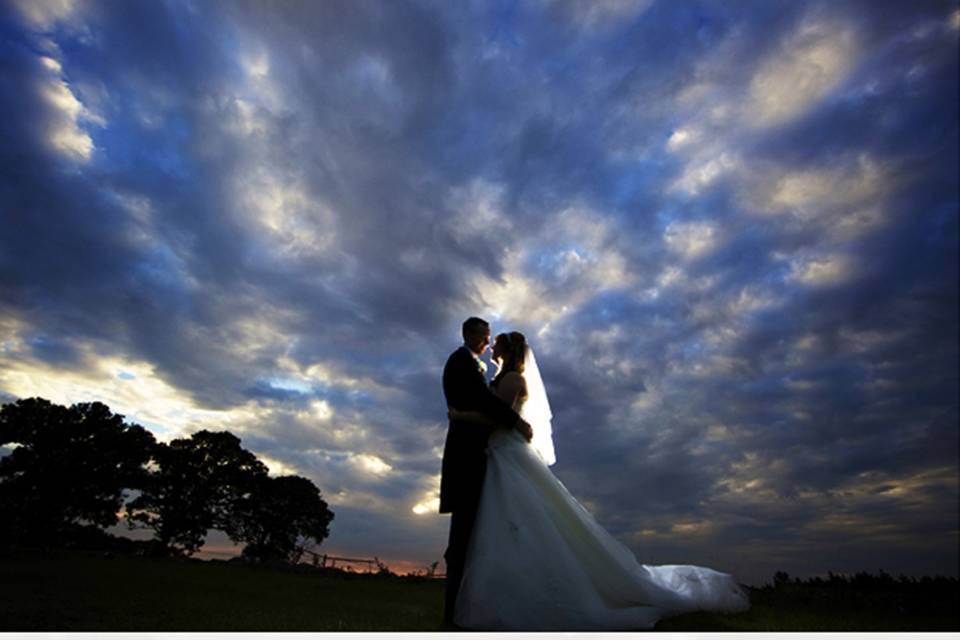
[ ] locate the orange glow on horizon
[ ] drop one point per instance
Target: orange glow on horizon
(397, 566)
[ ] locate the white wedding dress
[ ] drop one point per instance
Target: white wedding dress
(538, 561)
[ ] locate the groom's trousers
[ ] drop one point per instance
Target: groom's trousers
(461, 526)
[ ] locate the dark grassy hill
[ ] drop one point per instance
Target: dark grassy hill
(84, 591)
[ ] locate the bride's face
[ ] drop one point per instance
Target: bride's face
(497, 355)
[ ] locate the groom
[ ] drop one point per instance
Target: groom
(464, 454)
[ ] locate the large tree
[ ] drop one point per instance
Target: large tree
(68, 467)
(280, 518)
(195, 487)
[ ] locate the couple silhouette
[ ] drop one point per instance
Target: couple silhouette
(523, 554)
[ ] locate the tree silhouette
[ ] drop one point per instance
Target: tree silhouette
(69, 469)
(280, 518)
(69, 466)
(195, 487)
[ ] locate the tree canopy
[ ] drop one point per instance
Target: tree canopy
(197, 482)
(280, 518)
(69, 466)
(73, 466)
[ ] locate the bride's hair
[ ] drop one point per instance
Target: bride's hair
(513, 346)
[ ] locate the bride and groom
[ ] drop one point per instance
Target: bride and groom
(523, 554)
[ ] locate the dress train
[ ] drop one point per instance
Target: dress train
(538, 560)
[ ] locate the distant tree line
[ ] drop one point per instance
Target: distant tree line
(863, 580)
(927, 603)
(73, 468)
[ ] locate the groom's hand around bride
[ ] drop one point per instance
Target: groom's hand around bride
(472, 416)
(525, 429)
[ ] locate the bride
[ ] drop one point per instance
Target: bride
(537, 560)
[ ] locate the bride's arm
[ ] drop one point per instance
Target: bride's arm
(512, 387)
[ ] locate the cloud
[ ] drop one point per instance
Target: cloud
(826, 270)
(46, 14)
(812, 62)
(830, 188)
(600, 14)
(65, 134)
(690, 239)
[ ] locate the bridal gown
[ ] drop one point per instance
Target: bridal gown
(538, 561)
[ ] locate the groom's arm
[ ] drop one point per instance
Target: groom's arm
(501, 413)
(466, 390)
(470, 416)
(494, 408)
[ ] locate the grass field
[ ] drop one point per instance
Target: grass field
(76, 591)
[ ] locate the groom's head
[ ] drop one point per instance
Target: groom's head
(476, 335)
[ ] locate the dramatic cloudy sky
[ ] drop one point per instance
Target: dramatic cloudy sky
(729, 230)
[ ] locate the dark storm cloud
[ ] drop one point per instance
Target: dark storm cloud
(288, 209)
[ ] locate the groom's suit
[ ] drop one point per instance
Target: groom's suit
(464, 458)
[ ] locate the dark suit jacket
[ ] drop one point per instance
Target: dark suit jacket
(464, 453)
